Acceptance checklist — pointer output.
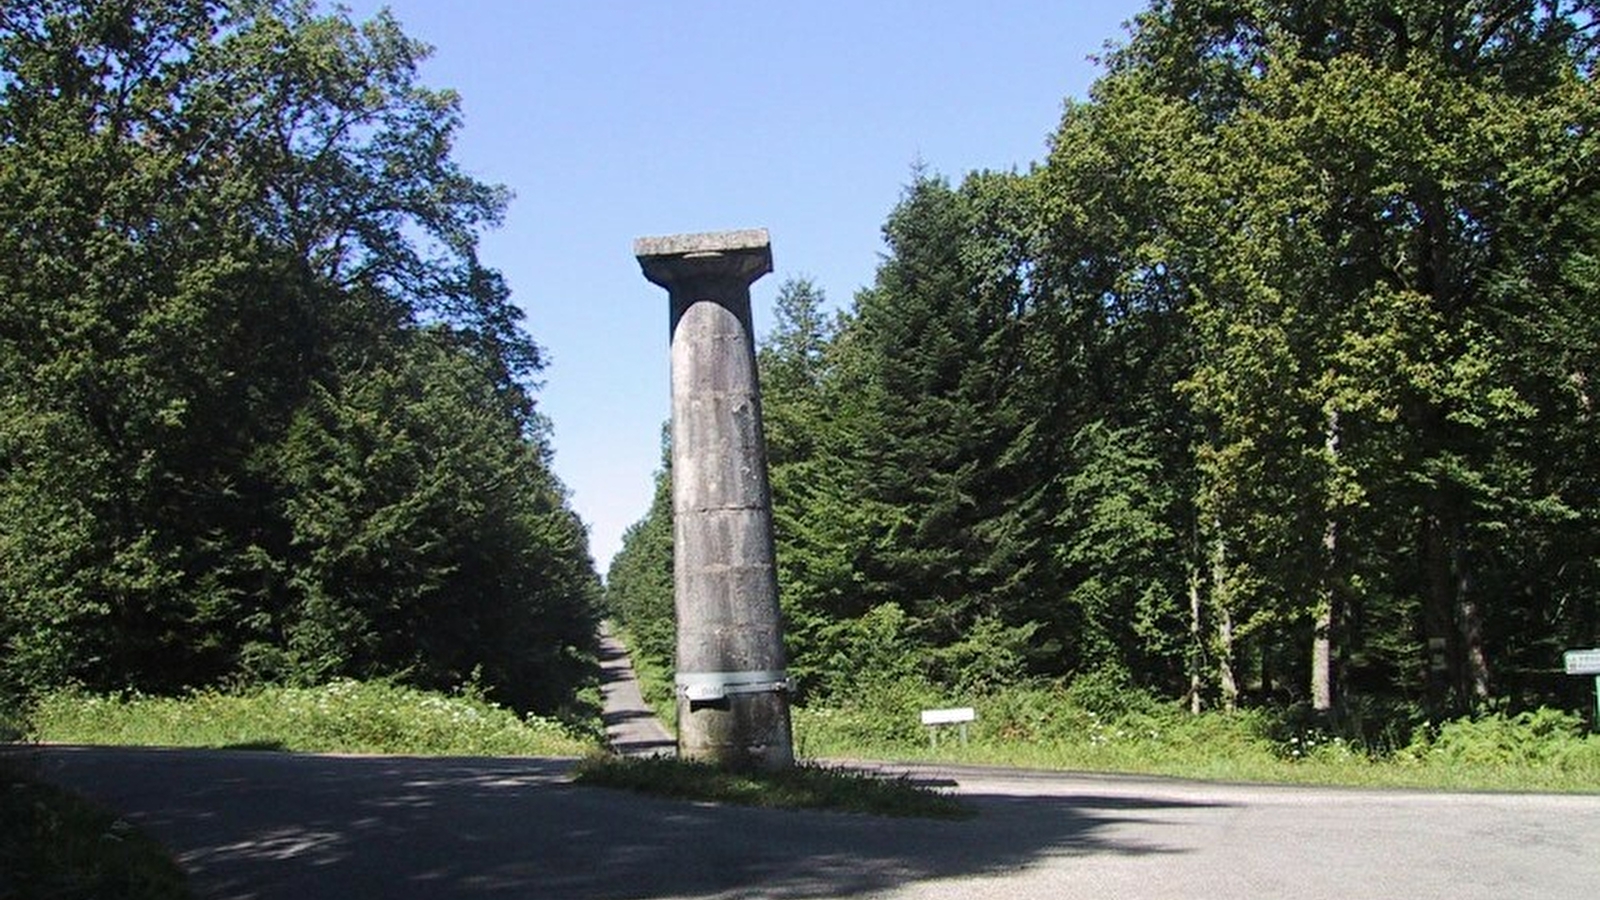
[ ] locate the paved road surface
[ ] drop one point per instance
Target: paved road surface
(291, 827)
(271, 826)
(631, 727)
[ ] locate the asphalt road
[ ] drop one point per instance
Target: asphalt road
(294, 827)
(298, 827)
(631, 727)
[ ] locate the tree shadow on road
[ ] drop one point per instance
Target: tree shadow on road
(252, 825)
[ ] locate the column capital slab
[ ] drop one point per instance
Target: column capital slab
(743, 256)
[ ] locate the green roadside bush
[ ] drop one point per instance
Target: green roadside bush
(1541, 738)
(1095, 725)
(1101, 722)
(11, 726)
(344, 716)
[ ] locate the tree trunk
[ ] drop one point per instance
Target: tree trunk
(1458, 674)
(1437, 614)
(1322, 659)
(1196, 643)
(1225, 677)
(1452, 619)
(1323, 650)
(1226, 680)
(1473, 666)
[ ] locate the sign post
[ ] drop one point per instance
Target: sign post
(1586, 662)
(933, 718)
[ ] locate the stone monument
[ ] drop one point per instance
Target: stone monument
(732, 680)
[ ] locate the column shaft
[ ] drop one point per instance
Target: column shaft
(732, 684)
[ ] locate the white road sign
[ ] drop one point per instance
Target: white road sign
(1583, 662)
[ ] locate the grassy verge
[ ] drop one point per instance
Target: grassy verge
(54, 844)
(805, 786)
(1538, 751)
(342, 717)
(1094, 727)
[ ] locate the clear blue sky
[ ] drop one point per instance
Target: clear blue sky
(612, 120)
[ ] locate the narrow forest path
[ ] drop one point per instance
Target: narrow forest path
(631, 727)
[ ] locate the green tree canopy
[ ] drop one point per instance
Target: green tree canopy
(244, 337)
(1273, 382)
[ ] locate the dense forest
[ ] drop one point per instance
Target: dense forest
(1273, 383)
(264, 415)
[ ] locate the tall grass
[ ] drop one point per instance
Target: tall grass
(1102, 725)
(805, 786)
(1542, 750)
(342, 717)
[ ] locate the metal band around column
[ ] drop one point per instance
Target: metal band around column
(704, 686)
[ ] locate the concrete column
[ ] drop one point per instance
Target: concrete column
(732, 682)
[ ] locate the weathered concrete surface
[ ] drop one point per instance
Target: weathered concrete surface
(725, 581)
(752, 241)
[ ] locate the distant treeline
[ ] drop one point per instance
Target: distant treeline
(264, 416)
(1275, 382)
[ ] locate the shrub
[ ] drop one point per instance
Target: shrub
(989, 657)
(1109, 691)
(1033, 714)
(885, 716)
(1541, 737)
(871, 655)
(344, 716)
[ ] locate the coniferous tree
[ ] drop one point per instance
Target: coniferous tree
(1274, 383)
